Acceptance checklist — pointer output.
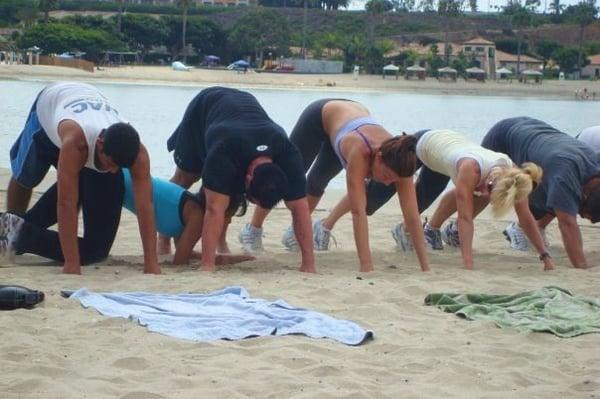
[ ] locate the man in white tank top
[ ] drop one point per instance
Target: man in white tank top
(74, 128)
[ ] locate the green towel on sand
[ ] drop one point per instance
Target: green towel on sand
(550, 309)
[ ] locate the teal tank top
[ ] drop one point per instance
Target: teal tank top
(167, 197)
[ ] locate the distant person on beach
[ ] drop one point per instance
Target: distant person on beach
(336, 134)
(591, 136)
(178, 213)
(227, 139)
(74, 128)
(571, 182)
(480, 176)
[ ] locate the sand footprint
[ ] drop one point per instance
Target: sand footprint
(132, 363)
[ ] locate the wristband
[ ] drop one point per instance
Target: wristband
(544, 255)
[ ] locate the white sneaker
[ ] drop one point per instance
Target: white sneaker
(402, 238)
(289, 240)
(515, 235)
(10, 228)
(321, 236)
(251, 238)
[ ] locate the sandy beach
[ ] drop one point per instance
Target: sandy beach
(337, 82)
(61, 350)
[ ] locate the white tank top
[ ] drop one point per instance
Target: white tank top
(441, 150)
(81, 103)
(591, 136)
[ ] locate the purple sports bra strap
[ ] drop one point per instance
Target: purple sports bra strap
(362, 136)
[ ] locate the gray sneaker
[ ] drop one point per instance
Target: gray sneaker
(450, 235)
(433, 237)
(402, 238)
(251, 238)
(10, 229)
(321, 236)
(289, 240)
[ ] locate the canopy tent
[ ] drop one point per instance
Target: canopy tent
(504, 74)
(447, 73)
(211, 60)
(415, 72)
(475, 73)
(531, 75)
(391, 69)
(180, 66)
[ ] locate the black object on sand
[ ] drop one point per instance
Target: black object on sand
(14, 297)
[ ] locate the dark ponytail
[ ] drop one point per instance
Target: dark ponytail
(400, 154)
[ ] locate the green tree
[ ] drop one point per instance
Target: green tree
(461, 63)
(119, 15)
(427, 5)
(433, 59)
(46, 6)
(546, 50)
(184, 5)
(520, 16)
(566, 58)
(583, 14)
(473, 5)
(378, 6)
(556, 7)
(61, 37)
(142, 31)
(258, 30)
(449, 9)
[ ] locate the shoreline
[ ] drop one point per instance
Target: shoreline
(165, 76)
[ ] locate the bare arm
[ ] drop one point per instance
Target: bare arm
(468, 177)
(572, 240)
(216, 204)
(356, 173)
(303, 231)
(142, 192)
(72, 158)
(530, 227)
(410, 210)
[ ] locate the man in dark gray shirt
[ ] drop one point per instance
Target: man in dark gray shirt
(571, 181)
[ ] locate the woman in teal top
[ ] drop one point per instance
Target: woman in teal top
(180, 214)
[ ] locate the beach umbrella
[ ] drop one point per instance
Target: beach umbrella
(503, 71)
(212, 58)
(241, 64)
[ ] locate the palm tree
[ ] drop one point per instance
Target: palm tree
(449, 9)
(119, 14)
(184, 4)
(583, 14)
(46, 6)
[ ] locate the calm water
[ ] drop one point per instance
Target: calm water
(156, 111)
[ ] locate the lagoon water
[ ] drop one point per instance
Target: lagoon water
(156, 111)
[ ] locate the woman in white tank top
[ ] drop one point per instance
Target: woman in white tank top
(481, 177)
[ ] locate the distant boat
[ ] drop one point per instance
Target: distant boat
(180, 66)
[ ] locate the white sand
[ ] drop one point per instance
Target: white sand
(60, 350)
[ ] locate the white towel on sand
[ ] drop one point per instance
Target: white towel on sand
(229, 314)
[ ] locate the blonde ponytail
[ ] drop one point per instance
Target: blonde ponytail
(513, 185)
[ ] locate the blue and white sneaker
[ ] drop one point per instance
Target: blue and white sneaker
(516, 237)
(433, 237)
(289, 240)
(251, 239)
(402, 238)
(450, 235)
(10, 229)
